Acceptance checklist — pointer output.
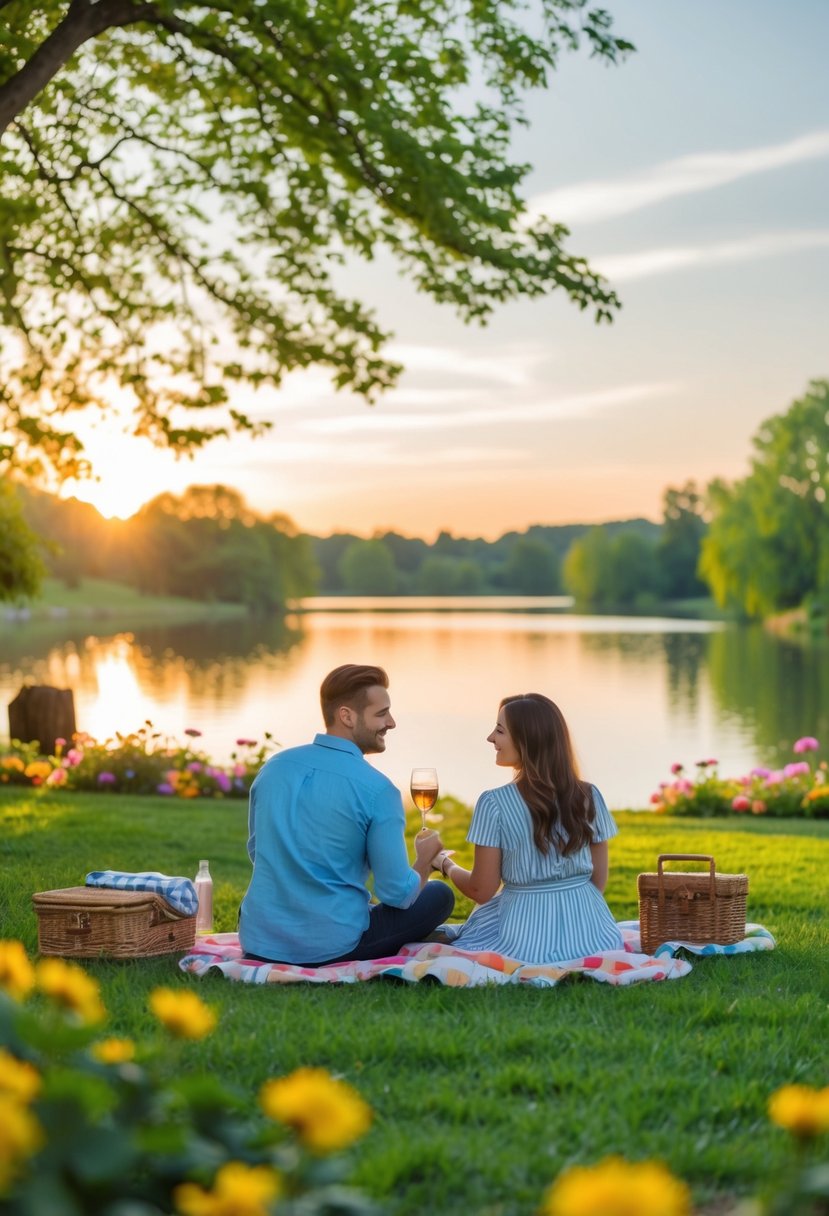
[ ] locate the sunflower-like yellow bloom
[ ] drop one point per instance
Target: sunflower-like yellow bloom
(18, 1079)
(618, 1188)
(327, 1114)
(801, 1110)
(20, 1136)
(113, 1051)
(69, 985)
(17, 975)
(238, 1190)
(183, 1013)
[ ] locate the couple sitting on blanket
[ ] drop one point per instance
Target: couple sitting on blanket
(322, 819)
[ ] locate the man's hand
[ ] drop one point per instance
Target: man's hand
(427, 846)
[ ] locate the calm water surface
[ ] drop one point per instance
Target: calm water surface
(640, 693)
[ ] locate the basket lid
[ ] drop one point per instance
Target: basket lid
(95, 897)
(693, 880)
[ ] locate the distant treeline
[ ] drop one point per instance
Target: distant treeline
(759, 546)
(207, 544)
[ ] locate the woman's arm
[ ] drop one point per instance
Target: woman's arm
(601, 864)
(482, 881)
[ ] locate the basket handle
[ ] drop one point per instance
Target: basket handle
(686, 857)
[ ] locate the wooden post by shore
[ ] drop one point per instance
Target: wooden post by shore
(43, 714)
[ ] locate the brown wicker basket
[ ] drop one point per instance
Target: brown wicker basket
(691, 907)
(90, 922)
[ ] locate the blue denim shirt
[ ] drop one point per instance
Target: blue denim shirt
(320, 819)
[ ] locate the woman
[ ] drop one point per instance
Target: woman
(545, 837)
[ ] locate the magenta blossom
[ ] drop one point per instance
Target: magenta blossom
(164, 788)
(195, 766)
(676, 769)
(192, 732)
(761, 772)
(73, 756)
(806, 744)
(246, 743)
(106, 778)
(800, 768)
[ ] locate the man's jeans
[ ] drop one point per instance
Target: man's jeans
(390, 928)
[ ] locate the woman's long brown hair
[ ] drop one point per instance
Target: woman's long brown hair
(560, 803)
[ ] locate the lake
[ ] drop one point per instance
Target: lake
(640, 693)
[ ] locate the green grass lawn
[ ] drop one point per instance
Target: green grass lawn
(482, 1096)
(95, 598)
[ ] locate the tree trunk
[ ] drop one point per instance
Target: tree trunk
(42, 714)
(84, 20)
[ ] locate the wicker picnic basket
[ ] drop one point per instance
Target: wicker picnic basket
(691, 906)
(89, 922)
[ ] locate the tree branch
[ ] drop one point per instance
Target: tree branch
(84, 20)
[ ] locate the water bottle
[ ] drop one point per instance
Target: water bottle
(204, 891)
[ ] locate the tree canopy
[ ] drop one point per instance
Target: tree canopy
(181, 182)
(768, 544)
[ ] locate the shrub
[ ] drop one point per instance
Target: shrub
(104, 1126)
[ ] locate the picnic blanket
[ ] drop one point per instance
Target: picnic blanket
(179, 892)
(221, 954)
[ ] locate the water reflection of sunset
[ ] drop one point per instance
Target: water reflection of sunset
(638, 694)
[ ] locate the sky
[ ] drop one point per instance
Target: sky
(695, 176)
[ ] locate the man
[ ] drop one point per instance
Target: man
(321, 818)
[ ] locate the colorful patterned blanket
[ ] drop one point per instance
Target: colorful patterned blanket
(221, 954)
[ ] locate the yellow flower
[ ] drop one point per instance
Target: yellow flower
(183, 1013)
(20, 1136)
(113, 1051)
(18, 1079)
(801, 1110)
(17, 975)
(238, 1190)
(618, 1188)
(38, 768)
(13, 762)
(326, 1114)
(69, 985)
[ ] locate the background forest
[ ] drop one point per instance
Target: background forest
(758, 546)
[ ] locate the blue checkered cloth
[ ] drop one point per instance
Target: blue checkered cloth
(180, 893)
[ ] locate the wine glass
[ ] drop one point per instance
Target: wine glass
(424, 788)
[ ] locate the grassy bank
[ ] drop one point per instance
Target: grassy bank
(482, 1096)
(100, 599)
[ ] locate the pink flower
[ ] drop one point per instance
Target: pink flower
(192, 732)
(741, 803)
(760, 772)
(60, 743)
(676, 769)
(758, 807)
(806, 744)
(73, 756)
(106, 778)
(239, 770)
(195, 766)
(246, 743)
(712, 763)
(57, 777)
(798, 769)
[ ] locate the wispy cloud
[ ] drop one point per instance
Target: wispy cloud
(586, 202)
(646, 263)
(512, 366)
(572, 406)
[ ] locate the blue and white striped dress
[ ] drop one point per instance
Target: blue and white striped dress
(548, 910)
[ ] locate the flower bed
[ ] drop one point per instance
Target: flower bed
(144, 762)
(797, 789)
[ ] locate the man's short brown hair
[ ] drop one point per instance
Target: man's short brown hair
(349, 685)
